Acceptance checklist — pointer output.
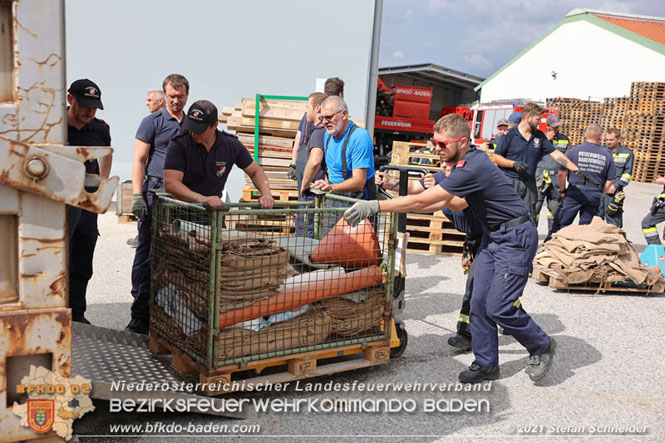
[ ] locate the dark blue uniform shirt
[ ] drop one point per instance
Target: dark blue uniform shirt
(487, 191)
(560, 143)
(206, 171)
(594, 160)
(464, 221)
(157, 129)
(514, 146)
(95, 133)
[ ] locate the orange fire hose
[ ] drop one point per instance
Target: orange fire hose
(292, 297)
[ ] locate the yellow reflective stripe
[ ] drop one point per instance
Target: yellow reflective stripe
(627, 176)
(560, 142)
(549, 214)
(517, 303)
(622, 154)
(464, 318)
(661, 196)
(647, 230)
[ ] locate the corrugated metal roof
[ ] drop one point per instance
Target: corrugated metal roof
(653, 30)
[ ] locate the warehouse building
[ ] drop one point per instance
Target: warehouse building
(588, 55)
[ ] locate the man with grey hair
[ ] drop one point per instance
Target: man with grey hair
(584, 190)
(155, 100)
(349, 155)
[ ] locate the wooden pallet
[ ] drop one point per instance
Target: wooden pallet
(550, 278)
(297, 366)
(250, 194)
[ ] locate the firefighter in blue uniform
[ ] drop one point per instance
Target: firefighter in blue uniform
(655, 216)
(547, 172)
(509, 244)
(611, 204)
(83, 129)
(586, 188)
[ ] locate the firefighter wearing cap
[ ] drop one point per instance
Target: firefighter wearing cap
(150, 145)
(547, 172)
(520, 150)
(84, 129)
(611, 204)
(200, 158)
(501, 129)
(502, 266)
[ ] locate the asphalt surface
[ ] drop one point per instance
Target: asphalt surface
(605, 383)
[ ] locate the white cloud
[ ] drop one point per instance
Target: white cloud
(399, 54)
(409, 12)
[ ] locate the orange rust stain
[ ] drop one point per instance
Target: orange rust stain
(58, 286)
(45, 241)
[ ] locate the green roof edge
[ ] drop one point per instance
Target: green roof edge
(591, 19)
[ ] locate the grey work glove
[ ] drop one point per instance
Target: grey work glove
(139, 206)
(292, 172)
(520, 166)
(360, 211)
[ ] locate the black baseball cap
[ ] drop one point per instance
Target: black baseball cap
(201, 115)
(87, 93)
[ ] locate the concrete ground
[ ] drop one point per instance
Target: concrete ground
(605, 383)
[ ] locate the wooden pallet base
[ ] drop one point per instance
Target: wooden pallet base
(304, 365)
(549, 278)
(126, 218)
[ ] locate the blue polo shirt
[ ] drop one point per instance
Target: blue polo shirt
(464, 221)
(206, 171)
(359, 153)
(485, 188)
(157, 129)
(514, 146)
(594, 160)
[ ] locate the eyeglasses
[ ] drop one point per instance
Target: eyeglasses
(330, 117)
(443, 145)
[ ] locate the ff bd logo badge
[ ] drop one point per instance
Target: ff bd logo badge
(41, 415)
(221, 168)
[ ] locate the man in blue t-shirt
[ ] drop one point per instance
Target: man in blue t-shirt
(150, 146)
(519, 151)
(349, 155)
(505, 258)
(597, 174)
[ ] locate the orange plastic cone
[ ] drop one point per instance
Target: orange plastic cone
(349, 247)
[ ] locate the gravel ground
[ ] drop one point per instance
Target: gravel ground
(604, 384)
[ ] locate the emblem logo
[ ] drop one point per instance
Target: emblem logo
(41, 415)
(196, 114)
(91, 91)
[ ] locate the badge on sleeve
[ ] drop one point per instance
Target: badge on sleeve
(460, 164)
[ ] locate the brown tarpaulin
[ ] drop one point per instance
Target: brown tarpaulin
(597, 253)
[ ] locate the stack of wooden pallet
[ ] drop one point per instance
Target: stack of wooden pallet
(576, 115)
(278, 123)
(644, 129)
(428, 233)
(614, 112)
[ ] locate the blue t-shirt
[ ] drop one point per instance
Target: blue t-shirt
(485, 188)
(464, 221)
(594, 160)
(157, 129)
(359, 153)
(514, 146)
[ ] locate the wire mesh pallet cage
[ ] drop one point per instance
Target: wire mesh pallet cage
(226, 294)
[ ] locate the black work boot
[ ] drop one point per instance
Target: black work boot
(540, 365)
(476, 373)
(138, 326)
(460, 342)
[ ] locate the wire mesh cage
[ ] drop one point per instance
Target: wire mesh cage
(236, 284)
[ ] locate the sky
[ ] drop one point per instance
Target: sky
(480, 36)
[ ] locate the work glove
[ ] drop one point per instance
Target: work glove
(292, 172)
(585, 178)
(139, 206)
(616, 205)
(360, 211)
(520, 166)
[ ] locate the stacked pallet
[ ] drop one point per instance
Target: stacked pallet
(576, 115)
(428, 233)
(644, 129)
(614, 112)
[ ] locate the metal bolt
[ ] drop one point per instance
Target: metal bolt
(36, 167)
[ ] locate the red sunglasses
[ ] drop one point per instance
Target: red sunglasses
(442, 145)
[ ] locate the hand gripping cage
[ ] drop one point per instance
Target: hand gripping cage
(233, 285)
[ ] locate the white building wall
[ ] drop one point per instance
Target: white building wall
(590, 62)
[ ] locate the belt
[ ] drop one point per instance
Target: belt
(510, 223)
(588, 186)
(150, 178)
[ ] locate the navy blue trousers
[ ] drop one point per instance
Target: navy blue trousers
(82, 242)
